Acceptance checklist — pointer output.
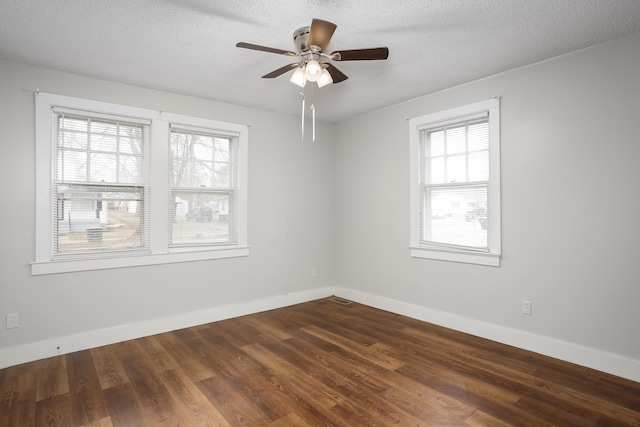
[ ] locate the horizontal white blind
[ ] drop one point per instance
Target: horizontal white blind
(100, 185)
(454, 120)
(203, 202)
(454, 184)
(204, 131)
(96, 115)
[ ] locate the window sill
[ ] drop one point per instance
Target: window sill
(492, 260)
(53, 267)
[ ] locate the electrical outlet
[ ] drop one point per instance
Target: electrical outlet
(314, 272)
(12, 320)
(526, 307)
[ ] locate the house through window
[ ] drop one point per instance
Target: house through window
(100, 186)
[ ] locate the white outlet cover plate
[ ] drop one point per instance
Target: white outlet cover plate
(12, 320)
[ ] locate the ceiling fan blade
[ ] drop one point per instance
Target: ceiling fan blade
(336, 74)
(320, 33)
(280, 71)
(361, 54)
(265, 48)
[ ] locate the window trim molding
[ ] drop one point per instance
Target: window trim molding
(53, 267)
(418, 250)
(160, 253)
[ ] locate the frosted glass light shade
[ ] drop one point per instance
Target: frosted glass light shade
(313, 70)
(298, 77)
(325, 78)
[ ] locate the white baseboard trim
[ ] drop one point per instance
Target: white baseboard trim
(68, 344)
(584, 356)
(592, 358)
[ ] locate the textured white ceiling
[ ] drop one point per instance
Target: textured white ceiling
(188, 46)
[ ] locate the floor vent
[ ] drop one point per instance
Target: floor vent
(340, 301)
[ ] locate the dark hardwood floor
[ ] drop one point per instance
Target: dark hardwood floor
(320, 363)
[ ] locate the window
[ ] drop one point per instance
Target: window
(455, 184)
(119, 186)
(100, 184)
(202, 198)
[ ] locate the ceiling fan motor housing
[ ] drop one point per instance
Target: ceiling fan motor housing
(301, 39)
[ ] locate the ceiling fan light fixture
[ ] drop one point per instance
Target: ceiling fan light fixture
(325, 78)
(313, 63)
(313, 70)
(298, 77)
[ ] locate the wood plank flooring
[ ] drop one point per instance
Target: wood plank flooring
(320, 363)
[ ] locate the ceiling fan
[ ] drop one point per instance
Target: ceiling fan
(312, 64)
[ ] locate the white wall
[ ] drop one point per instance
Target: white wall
(290, 223)
(570, 210)
(570, 220)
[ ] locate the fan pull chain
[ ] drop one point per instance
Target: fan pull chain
(302, 115)
(313, 123)
(313, 118)
(313, 115)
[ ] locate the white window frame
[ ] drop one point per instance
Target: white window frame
(417, 124)
(159, 252)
